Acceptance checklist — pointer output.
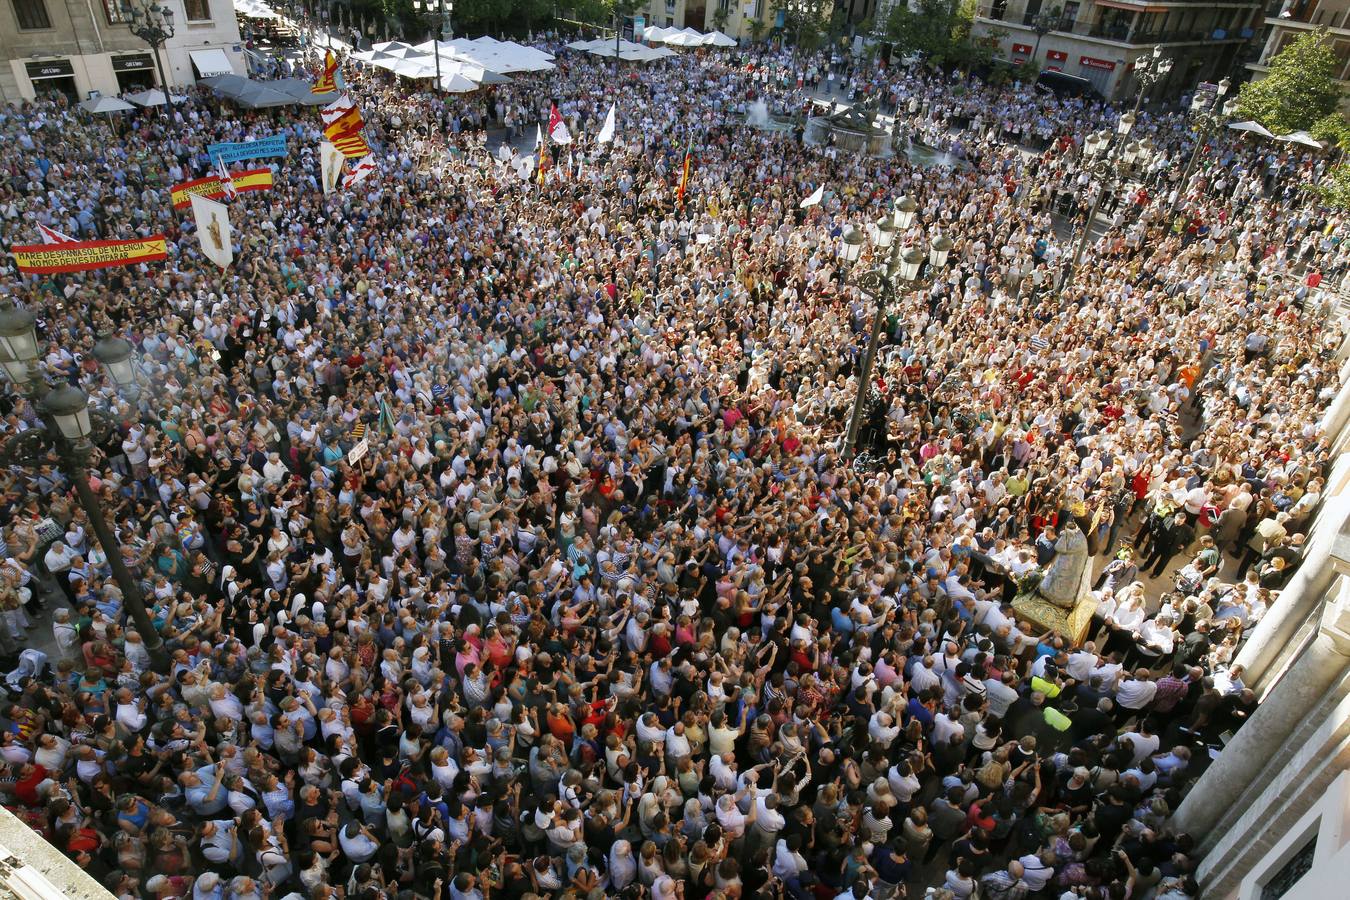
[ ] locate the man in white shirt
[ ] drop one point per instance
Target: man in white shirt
(1143, 743)
(1082, 662)
(768, 820)
(1135, 693)
(883, 729)
(58, 559)
(1037, 870)
(130, 711)
(1001, 694)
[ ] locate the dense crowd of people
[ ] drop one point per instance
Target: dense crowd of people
(606, 610)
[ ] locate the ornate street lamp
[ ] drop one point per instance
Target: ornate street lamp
(1148, 71)
(153, 24)
(902, 268)
(71, 433)
(1206, 115)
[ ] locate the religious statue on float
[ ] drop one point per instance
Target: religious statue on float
(1059, 601)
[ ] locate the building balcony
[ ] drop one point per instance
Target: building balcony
(1119, 33)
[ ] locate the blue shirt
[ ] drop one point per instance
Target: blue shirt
(196, 795)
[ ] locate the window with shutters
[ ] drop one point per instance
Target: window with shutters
(32, 15)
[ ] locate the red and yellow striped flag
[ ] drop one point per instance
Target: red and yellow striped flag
(327, 82)
(684, 175)
(352, 145)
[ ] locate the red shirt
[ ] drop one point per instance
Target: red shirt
(26, 788)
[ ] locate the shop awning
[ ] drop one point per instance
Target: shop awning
(211, 62)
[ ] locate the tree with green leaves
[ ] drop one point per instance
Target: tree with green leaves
(941, 30)
(720, 17)
(806, 22)
(1334, 188)
(1300, 89)
(756, 29)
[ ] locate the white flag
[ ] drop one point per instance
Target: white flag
(52, 236)
(330, 165)
(226, 179)
(363, 169)
(607, 130)
(213, 229)
(815, 197)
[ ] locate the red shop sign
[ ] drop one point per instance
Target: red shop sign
(1054, 68)
(1092, 62)
(1057, 55)
(1022, 48)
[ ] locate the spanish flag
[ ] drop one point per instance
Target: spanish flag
(684, 175)
(327, 82)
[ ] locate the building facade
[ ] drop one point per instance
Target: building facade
(735, 18)
(1286, 20)
(78, 48)
(1100, 40)
(1271, 815)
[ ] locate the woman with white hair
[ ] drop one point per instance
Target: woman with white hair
(622, 865)
(664, 888)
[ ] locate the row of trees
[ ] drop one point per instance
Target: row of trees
(943, 32)
(1300, 93)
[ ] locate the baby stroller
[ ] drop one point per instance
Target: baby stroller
(32, 664)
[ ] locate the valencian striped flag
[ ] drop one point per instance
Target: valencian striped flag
(342, 125)
(352, 146)
(327, 82)
(684, 175)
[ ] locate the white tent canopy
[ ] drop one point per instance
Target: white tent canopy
(400, 50)
(1253, 127)
(502, 57)
(456, 83)
(254, 9)
(655, 33)
(686, 38)
(718, 39)
(628, 51)
(478, 61)
(105, 105)
(1300, 137)
(153, 97)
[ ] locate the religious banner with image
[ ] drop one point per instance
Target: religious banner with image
(213, 188)
(213, 229)
(81, 256)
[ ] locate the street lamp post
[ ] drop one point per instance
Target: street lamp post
(901, 266)
(442, 34)
(1106, 163)
(1206, 116)
(1042, 23)
(153, 24)
(69, 433)
(1148, 71)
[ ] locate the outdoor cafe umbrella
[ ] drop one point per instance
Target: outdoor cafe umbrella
(1300, 137)
(1253, 128)
(105, 105)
